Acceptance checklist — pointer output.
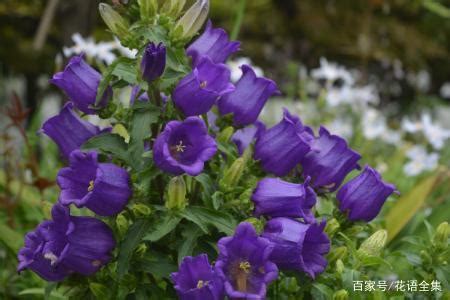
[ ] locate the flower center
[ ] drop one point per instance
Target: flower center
(180, 147)
(91, 186)
(242, 275)
(201, 284)
(245, 266)
(51, 257)
(203, 84)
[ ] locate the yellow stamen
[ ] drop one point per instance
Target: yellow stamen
(203, 84)
(96, 263)
(245, 266)
(180, 147)
(91, 186)
(201, 284)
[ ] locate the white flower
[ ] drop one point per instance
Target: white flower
(341, 127)
(373, 124)
(130, 53)
(445, 90)
(419, 161)
(435, 134)
(420, 80)
(235, 68)
(332, 72)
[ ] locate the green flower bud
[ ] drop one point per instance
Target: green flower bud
(374, 244)
(257, 223)
(176, 194)
(141, 210)
(225, 135)
(148, 8)
(118, 25)
(340, 295)
(122, 223)
(337, 253)
(426, 257)
(173, 8)
(332, 227)
(440, 239)
(233, 173)
(193, 19)
(141, 249)
(340, 266)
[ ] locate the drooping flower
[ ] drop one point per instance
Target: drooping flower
(249, 97)
(104, 188)
(153, 61)
(298, 246)
(244, 265)
(329, 161)
(196, 93)
(363, 196)
(196, 280)
(245, 136)
(66, 244)
(80, 83)
(274, 197)
(213, 43)
(68, 130)
(282, 147)
(183, 147)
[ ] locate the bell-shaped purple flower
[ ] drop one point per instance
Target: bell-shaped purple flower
(65, 245)
(153, 61)
(196, 93)
(329, 161)
(245, 136)
(68, 130)
(104, 188)
(196, 280)
(244, 265)
(249, 97)
(80, 83)
(283, 146)
(363, 196)
(298, 246)
(274, 197)
(183, 147)
(214, 43)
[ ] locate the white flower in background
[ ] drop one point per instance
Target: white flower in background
(445, 90)
(235, 68)
(342, 127)
(130, 53)
(420, 80)
(331, 72)
(373, 124)
(420, 161)
(433, 132)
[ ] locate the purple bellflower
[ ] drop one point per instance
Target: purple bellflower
(196, 280)
(274, 197)
(196, 93)
(183, 147)
(66, 244)
(329, 161)
(80, 83)
(244, 265)
(68, 130)
(245, 136)
(249, 97)
(213, 43)
(363, 196)
(153, 61)
(282, 147)
(298, 246)
(104, 188)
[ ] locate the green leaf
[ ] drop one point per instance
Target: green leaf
(407, 206)
(12, 239)
(100, 291)
(108, 143)
(437, 8)
(321, 291)
(163, 227)
(160, 267)
(190, 235)
(41, 291)
(125, 69)
(203, 217)
(132, 238)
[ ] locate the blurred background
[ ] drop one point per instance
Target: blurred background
(374, 71)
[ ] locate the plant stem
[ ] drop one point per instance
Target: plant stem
(240, 11)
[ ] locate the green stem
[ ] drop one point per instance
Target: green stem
(238, 21)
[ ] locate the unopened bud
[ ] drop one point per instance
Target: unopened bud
(426, 257)
(141, 249)
(141, 210)
(233, 174)
(257, 223)
(332, 227)
(173, 8)
(118, 25)
(337, 253)
(225, 135)
(122, 223)
(440, 239)
(148, 8)
(340, 266)
(374, 244)
(340, 295)
(176, 194)
(191, 22)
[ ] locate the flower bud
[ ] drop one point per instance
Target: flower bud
(114, 21)
(225, 135)
(340, 295)
(374, 244)
(141, 210)
(173, 8)
(191, 22)
(122, 223)
(340, 266)
(233, 173)
(337, 253)
(332, 227)
(176, 194)
(257, 223)
(141, 249)
(153, 61)
(148, 8)
(426, 257)
(440, 239)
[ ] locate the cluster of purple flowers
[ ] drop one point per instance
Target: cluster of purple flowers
(292, 238)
